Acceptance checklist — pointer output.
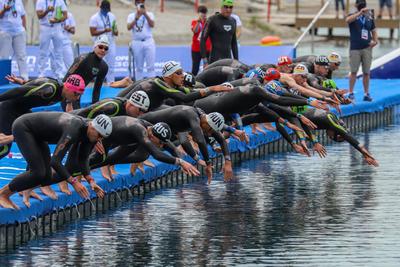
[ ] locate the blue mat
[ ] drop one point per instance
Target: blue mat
(385, 93)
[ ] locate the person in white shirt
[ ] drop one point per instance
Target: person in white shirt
(141, 23)
(238, 26)
(103, 22)
(51, 14)
(68, 30)
(13, 33)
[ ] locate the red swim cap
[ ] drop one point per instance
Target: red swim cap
(75, 83)
(284, 60)
(272, 74)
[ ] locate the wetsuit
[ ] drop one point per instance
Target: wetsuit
(33, 138)
(128, 135)
(304, 59)
(316, 81)
(183, 119)
(329, 121)
(222, 33)
(228, 62)
(218, 75)
(89, 67)
(245, 81)
(19, 101)
(242, 99)
(127, 91)
(158, 91)
(308, 61)
(111, 107)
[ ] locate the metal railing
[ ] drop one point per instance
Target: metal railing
(311, 27)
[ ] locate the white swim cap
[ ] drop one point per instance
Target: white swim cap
(102, 39)
(140, 99)
(300, 69)
(170, 68)
(335, 57)
(103, 125)
(216, 121)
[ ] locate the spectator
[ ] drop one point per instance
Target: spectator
(382, 4)
(363, 37)
(51, 14)
(221, 28)
(103, 22)
(68, 30)
(141, 23)
(337, 8)
(13, 33)
(238, 26)
(197, 27)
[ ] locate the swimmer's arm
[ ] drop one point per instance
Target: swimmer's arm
(157, 153)
(222, 142)
(63, 145)
(15, 93)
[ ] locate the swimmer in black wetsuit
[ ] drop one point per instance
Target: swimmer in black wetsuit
(183, 119)
(91, 66)
(64, 130)
(243, 98)
(137, 104)
(35, 93)
(170, 86)
(219, 75)
(221, 29)
(228, 62)
(337, 131)
(134, 140)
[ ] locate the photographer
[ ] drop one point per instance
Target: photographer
(104, 22)
(363, 37)
(141, 23)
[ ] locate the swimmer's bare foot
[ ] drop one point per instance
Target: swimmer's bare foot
(148, 163)
(112, 170)
(125, 82)
(135, 166)
(105, 171)
(269, 126)
(64, 188)
(48, 191)
(27, 194)
(5, 201)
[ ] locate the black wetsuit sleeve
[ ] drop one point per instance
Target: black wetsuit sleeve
(28, 90)
(204, 36)
(84, 152)
(283, 112)
(99, 83)
(171, 148)
(157, 153)
(222, 142)
(198, 137)
(314, 82)
(281, 100)
(178, 95)
(235, 50)
(66, 141)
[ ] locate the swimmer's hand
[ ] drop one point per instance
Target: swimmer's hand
(241, 135)
(81, 189)
(14, 79)
(320, 149)
(319, 105)
(306, 121)
(188, 168)
(96, 188)
(209, 169)
(228, 172)
(6, 139)
(100, 148)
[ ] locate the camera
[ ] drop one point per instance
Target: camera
(140, 6)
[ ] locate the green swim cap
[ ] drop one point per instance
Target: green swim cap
(227, 3)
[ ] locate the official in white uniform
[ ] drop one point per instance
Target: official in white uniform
(103, 22)
(141, 23)
(13, 34)
(51, 14)
(68, 30)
